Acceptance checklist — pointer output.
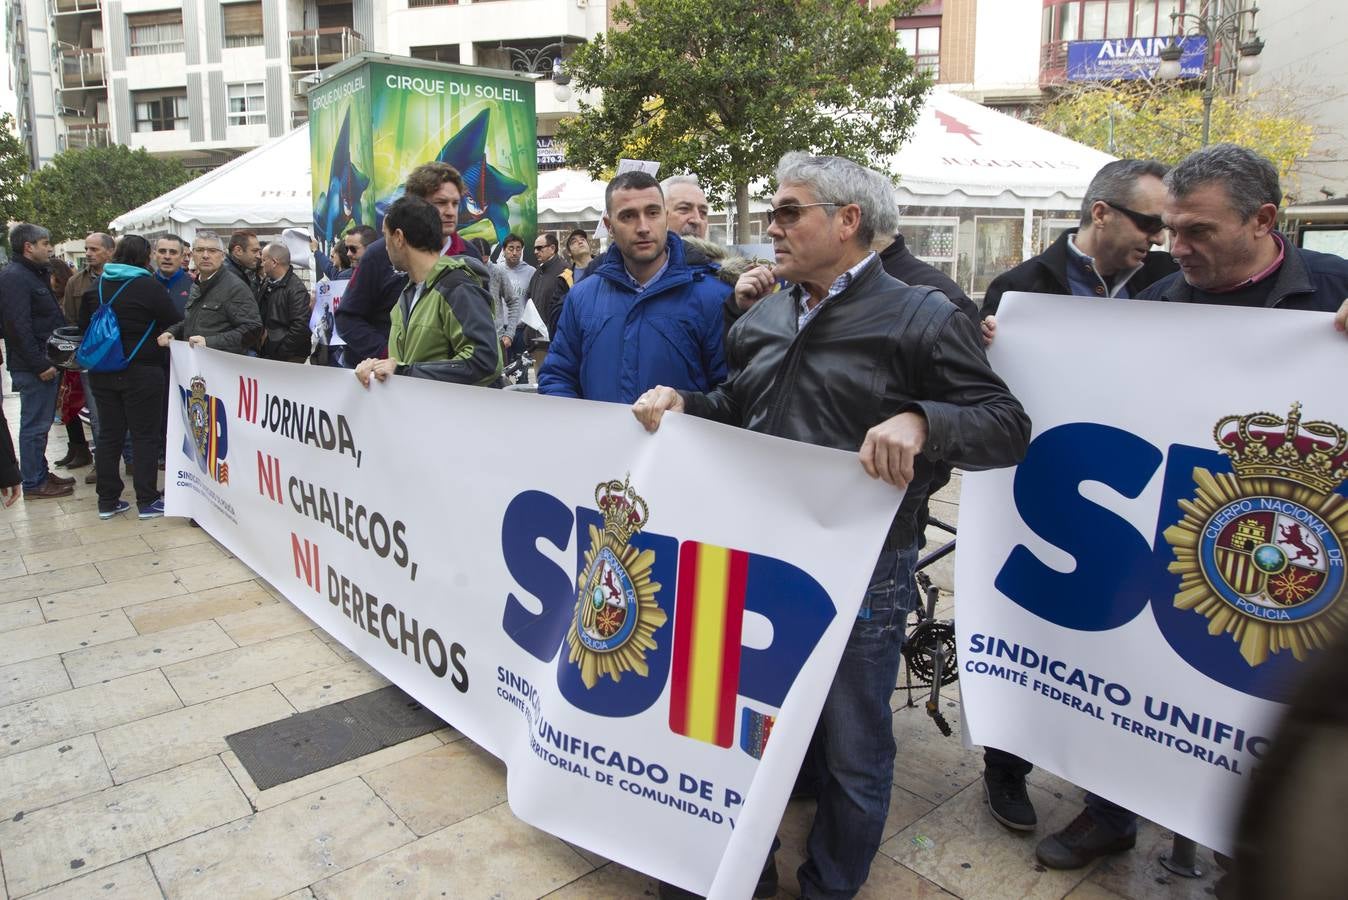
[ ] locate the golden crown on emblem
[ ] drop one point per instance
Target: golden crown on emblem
(1263, 445)
(623, 511)
(198, 385)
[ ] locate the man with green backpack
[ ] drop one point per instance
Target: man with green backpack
(442, 325)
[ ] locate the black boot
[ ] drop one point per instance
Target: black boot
(79, 458)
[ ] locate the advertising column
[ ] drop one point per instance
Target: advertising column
(372, 125)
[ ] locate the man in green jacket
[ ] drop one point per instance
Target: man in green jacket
(442, 325)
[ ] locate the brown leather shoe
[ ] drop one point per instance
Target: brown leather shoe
(48, 490)
(59, 479)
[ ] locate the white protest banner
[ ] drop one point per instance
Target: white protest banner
(441, 532)
(1136, 599)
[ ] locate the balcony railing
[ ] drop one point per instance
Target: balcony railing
(318, 48)
(1053, 62)
(66, 7)
(82, 67)
(79, 137)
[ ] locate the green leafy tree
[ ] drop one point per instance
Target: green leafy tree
(722, 88)
(1164, 121)
(81, 191)
(14, 166)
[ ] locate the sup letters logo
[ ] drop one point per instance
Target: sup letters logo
(207, 439)
(646, 618)
(1259, 551)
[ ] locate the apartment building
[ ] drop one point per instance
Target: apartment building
(205, 80)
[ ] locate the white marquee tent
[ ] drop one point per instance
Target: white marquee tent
(978, 190)
(266, 190)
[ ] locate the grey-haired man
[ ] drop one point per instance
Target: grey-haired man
(856, 360)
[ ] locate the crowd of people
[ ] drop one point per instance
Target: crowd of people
(844, 339)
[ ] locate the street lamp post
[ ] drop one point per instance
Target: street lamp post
(1213, 27)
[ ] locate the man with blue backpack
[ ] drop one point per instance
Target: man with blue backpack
(120, 316)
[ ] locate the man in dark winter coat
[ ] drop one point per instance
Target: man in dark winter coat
(1110, 254)
(244, 255)
(284, 307)
(544, 288)
(30, 313)
(221, 311)
(903, 265)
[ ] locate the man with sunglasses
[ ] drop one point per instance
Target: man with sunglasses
(853, 359)
(1110, 254)
(545, 287)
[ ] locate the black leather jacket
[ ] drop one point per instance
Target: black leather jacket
(285, 317)
(875, 350)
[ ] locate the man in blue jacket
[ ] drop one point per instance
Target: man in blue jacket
(168, 256)
(30, 313)
(646, 318)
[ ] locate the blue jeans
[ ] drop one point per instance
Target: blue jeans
(856, 734)
(37, 410)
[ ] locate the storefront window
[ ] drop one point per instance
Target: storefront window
(1069, 21)
(1116, 24)
(1144, 19)
(931, 240)
(1093, 20)
(997, 248)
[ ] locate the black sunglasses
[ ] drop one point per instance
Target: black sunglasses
(541, 246)
(1145, 223)
(789, 214)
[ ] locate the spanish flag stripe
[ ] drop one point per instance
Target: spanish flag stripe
(210, 437)
(708, 650)
(708, 619)
(730, 644)
(683, 638)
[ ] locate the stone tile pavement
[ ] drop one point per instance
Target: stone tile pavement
(128, 650)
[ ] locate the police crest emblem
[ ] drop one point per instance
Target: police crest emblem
(1260, 552)
(205, 421)
(616, 613)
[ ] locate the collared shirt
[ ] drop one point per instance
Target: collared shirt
(1086, 281)
(840, 284)
(1258, 276)
(641, 286)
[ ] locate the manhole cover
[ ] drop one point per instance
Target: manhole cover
(392, 715)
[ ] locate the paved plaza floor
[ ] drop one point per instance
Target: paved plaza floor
(129, 650)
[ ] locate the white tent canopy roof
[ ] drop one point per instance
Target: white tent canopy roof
(266, 188)
(961, 154)
(566, 195)
(965, 154)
